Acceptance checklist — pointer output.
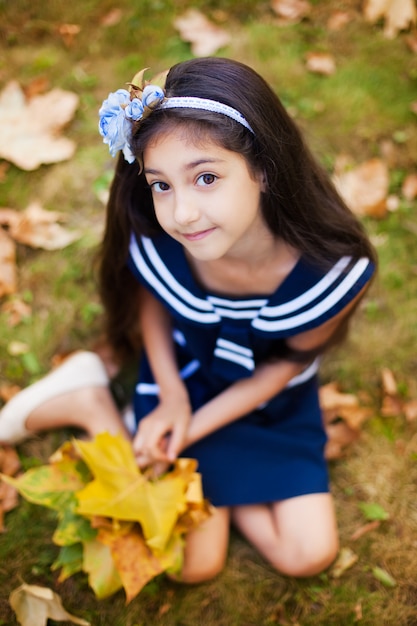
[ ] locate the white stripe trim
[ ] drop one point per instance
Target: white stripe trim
(237, 304)
(152, 389)
(311, 294)
(319, 309)
(183, 309)
(233, 357)
(234, 347)
(166, 275)
(306, 374)
(237, 315)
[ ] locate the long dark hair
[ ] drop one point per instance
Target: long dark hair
(299, 204)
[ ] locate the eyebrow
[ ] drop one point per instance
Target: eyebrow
(189, 166)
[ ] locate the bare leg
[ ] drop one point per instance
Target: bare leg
(206, 549)
(92, 409)
(297, 536)
(74, 394)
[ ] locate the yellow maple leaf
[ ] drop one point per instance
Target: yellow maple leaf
(119, 490)
(136, 564)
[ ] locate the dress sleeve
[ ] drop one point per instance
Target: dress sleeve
(314, 297)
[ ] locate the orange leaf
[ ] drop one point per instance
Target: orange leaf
(398, 14)
(409, 187)
(365, 528)
(38, 228)
(291, 11)
(134, 561)
(205, 37)
(29, 129)
(365, 188)
(339, 435)
(321, 63)
(8, 274)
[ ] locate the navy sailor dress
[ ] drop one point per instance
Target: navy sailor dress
(277, 451)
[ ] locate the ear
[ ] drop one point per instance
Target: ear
(262, 180)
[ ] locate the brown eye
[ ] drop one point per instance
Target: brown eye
(206, 179)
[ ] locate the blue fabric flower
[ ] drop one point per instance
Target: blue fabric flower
(152, 96)
(134, 110)
(118, 112)
(113, 125)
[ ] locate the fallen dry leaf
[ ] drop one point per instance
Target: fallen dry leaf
(291, 11)
(343, 417)
(8, 272)
(38, 228)
(364, 529)
(389, 384)
(16, 310)
(340, 435)
(34, 605)
(111, 18)
(68, 32)
(365, 188)
(410, 410)
(397, 14)
(338, 20)
(346, 559)
(8, 390)
(29, 129)
(409, 187)
(320, 63)
(205, 37)
(9, 465)
(411, 42)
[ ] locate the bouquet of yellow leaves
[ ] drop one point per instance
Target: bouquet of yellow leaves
(115, 523)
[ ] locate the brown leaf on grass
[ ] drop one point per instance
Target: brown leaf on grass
(205, 37)
(7, 391)
(29, 129)
(16, 310)
(389, 384)
(411, 42)
(392, 404)
(9, 465)
(346, 559)
(340, 435)
(34, 605)
(291, 11)
(343, 417)
(397, 14)
(364, 188)
(364, 529)
(410, 410)
(38, 228)
(111, 18)
(409, 187)
(8, 272)
(320, 63)
(338, 20)
(68, 33)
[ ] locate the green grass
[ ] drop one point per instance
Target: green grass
(364, 104)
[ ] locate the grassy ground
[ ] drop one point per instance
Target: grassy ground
(364, 105)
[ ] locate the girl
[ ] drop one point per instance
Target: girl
(228, 244)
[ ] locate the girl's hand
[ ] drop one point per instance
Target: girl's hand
(162, 434)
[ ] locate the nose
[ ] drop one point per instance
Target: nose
(185, 209)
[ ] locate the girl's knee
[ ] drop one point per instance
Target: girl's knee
(199, 573)
(309, 559)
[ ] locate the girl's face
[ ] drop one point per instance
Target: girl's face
(205, 196)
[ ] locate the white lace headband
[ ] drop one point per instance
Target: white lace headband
(189, 102)
(122, 108)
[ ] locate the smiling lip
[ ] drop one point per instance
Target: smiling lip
(197, 236)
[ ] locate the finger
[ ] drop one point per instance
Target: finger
(175, 443)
